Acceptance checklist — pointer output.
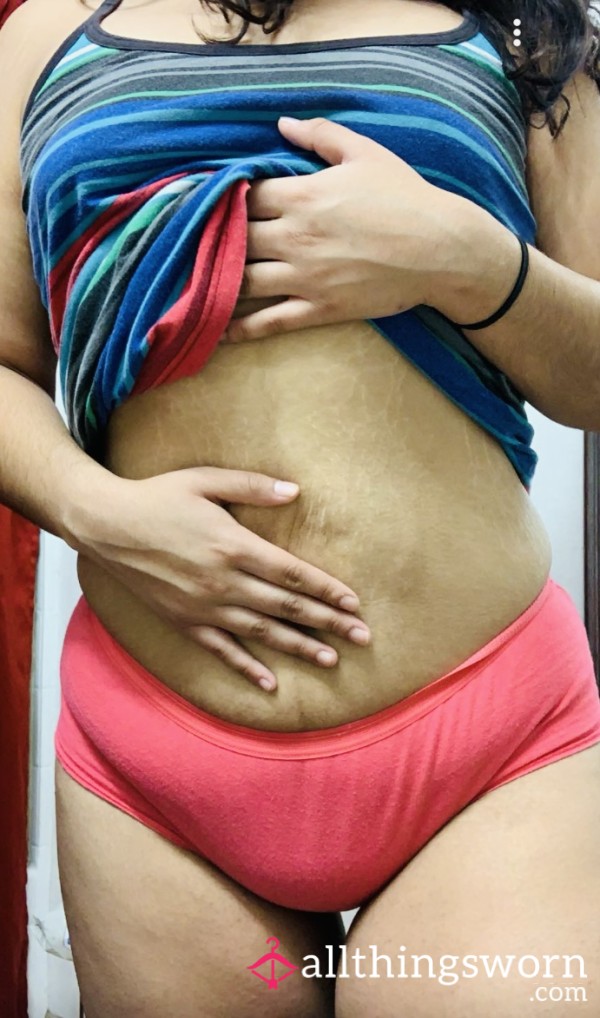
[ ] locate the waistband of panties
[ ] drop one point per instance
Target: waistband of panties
(319, 742)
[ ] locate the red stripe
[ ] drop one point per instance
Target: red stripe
(65, 273)
(185, 337)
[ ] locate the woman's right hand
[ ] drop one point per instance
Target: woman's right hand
(171, 542)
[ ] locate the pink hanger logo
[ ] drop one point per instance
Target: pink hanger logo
(270, 960)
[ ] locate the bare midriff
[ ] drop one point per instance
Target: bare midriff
(403, 497)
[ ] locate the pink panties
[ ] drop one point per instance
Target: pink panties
(322, 820)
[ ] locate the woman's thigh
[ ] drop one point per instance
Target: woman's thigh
(516, 873)
(157, 931)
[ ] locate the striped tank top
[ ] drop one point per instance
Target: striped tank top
(135, 161)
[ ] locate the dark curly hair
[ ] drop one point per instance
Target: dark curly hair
(559, 38)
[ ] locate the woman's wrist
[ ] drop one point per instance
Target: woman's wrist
(91, 500)
(482, 259)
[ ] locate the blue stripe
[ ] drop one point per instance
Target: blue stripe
(102, 144)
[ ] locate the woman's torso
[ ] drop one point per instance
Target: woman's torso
(403, 496)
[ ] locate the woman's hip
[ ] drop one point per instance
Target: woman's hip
(320, 820)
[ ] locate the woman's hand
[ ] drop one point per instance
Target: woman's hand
(171, 542)
(361, 239)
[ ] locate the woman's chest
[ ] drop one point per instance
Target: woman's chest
(106, 122)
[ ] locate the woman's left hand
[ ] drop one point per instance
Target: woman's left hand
(361, 239)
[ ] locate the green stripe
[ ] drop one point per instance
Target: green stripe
(323, 84)
(489, 66)
(72, 65)
(139, 221)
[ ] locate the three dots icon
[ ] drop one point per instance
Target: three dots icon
(517, 31)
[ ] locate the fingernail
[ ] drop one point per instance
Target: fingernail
(349, 603)
(359, 635)
(285, 488)
(326, 657)
(267, 684)
(290, 120)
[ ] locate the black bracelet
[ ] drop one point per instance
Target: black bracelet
(514, 293)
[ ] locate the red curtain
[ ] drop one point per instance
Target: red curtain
(19, 541)
(6, 8)
(18, 557)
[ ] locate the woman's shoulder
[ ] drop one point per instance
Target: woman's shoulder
(32, 23)
(562, 179)
(28, 39)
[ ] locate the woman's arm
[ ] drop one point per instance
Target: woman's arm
(369, 237)
(548, 343)
(167, 537)
(43, 473)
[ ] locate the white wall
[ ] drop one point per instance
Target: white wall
(51, 978)
(557, 493)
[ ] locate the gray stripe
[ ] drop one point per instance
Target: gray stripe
(464, 83)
